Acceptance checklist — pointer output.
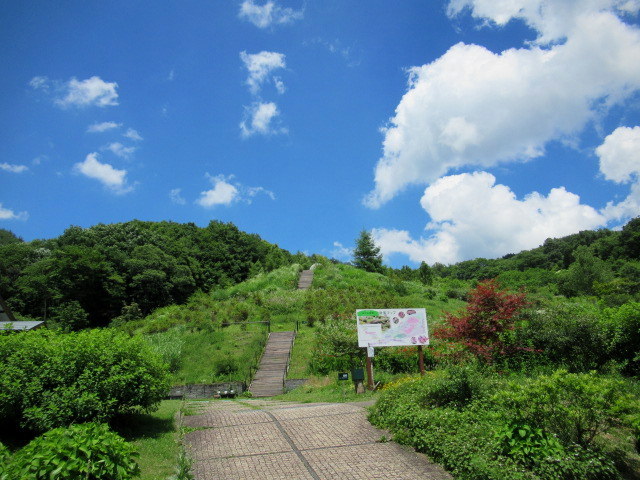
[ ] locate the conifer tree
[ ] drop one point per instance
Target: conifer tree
(367, 255)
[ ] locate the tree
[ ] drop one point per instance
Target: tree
(583, 273)
(7, 237)
(481, 327)
(425, 274)
(367, 255)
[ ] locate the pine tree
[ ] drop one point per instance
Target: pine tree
(367, 255)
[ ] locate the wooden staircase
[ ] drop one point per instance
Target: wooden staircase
(269, 379)
(305, 280)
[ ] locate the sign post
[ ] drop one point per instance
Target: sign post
(421, 360)
(369, 368)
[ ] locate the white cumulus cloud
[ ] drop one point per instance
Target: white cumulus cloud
(102, 127)
(7, 167)
(269, 14)
(620, 162)
(222, 193)
(105, 173)
(92, 91)
(259, 119)
(473, 107)
(620, 155)
(260, 65)
(472, 216)
(8, 214)
(226, 191)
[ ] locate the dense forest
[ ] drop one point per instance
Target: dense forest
(87, 277)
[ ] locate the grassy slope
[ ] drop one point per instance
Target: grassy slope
(197, 325)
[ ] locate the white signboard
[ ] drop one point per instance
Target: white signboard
(391, 327)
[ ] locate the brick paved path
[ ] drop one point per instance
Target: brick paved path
(265, 439)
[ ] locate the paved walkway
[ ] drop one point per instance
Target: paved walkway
(270, 440)
(269, 379)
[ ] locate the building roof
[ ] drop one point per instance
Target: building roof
(20, 325)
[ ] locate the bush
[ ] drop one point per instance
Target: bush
(89, 451)
(226, 366)
(575, 407)
(336, 347)
(568, 335)
(526, 430)
(622, 326)
(52, 379)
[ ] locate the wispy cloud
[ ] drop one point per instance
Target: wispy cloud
(7, 167)
(132, 134)
(102, 127)
(176, 197)
(260, 65)
(268, 14)
(120, 150)
(340, 252)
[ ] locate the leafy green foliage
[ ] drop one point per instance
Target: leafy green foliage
(493, 432)
(52, 379)
(527, 445)
(87, 451)
(575, 407)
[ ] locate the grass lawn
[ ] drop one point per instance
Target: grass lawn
(155, 437)
(326, 389)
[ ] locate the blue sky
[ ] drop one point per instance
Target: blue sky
(450, 130)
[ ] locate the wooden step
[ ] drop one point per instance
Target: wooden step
(305, 280)
(268, 380)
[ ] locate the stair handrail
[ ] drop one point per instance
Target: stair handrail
(286, 372)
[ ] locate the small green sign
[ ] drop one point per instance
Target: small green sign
(367, 313)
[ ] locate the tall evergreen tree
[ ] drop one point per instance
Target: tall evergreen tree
(367, 255)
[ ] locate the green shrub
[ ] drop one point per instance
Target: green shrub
(491, 429)
(88, 451)
(226, 366)
(454, 387)
(52, 379)
(569, 335)
(336, 347)
(528, 445)
(622, 326)
(575, 407)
